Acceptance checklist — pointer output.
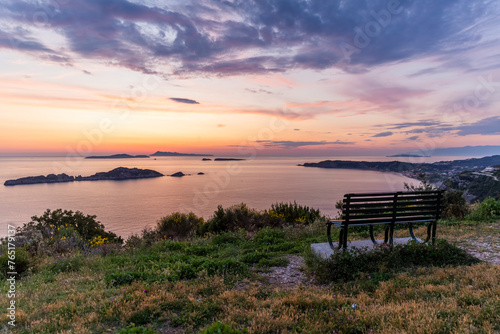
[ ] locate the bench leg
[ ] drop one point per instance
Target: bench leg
(386, 236)
(412, 235)
(341, 238)
(345, 238)
(371, 236)
(391, 240)
(434, 227)
(328, 233)
(429, 232)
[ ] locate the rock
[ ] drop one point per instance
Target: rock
(51, 178)
(206, 159)
(201, 173)
(178, 174)
(120, 173)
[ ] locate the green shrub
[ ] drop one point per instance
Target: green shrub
(119, 278)
(136, 330)
(294, 213)
(487, 210)
(178, 225)
(61, 231)
(66, 263)
(357, 263)
(238, 216)
(455, 206)
(19, 256)
(220, 328)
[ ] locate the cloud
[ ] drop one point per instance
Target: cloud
(413, 138)
(396, 126)
(294, 144)
(181, 100)
(487, 126)
(240, 37)
(259, 91)
(383, 134)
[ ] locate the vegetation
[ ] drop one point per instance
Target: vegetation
(191, 276)
(295, 213)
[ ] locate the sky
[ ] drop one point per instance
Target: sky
(236, 77)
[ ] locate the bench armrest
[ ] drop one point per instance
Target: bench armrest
(335, 222)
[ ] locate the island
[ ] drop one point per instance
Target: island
(206, 159)
(228, 159)
(176, 154)
(51, 178)
(116, 156)
(408, 155)
(178, 174)
(121, 173)
(117, 174)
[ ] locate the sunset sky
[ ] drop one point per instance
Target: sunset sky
(283, 77)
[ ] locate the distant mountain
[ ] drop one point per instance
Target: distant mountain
(176, 154)
(116, 156)
(408, 155)
(482, 151)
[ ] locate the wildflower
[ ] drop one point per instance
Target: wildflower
(354, 305)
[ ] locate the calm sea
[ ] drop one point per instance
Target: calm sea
(127, 207)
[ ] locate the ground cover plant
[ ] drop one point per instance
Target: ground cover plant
(217, 282)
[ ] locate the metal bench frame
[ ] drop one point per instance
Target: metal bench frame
(370, 209)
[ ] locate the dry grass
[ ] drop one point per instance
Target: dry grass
(460, 299)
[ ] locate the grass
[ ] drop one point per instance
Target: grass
(214, 285)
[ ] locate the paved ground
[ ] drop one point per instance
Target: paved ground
(324, 250)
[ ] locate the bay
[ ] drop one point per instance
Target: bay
(127, 207)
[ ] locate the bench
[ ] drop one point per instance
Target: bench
(388, 209)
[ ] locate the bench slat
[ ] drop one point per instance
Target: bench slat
(390, 215)
(399, 193)
(389, 199)
(388, 221)
(389, 210)
(388, 204)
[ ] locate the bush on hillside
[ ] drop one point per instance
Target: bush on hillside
(178, 225)
(487, 210)
(455, 205)
(61, 231)
(295, 213)
(20, 257)
(238, 216)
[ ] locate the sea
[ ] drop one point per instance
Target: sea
(127, 207)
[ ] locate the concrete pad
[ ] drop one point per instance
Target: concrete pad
(323, 249)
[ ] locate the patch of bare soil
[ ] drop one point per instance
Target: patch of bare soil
(485, 244)
(289, 276)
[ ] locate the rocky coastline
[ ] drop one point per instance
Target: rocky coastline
(117, 174)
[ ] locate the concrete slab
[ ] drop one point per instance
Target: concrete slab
(323, 249)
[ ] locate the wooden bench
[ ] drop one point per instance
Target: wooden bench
(388, 209)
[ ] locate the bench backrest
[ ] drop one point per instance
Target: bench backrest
(398, 207)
